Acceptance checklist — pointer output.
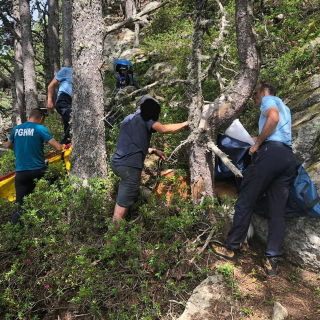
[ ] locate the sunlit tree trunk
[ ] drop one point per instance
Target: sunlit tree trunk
(88, 159)
(30, 80)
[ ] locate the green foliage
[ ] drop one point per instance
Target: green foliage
(227, 272)
(295, 275)
(292, 61)
(7, 163)
(66, 250)
(53, 122)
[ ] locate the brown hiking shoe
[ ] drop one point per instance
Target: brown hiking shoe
(270, 266)
(220, 250)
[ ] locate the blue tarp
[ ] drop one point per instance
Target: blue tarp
(238, 153)
(303, 197)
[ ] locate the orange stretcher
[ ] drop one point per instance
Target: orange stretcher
(7, 188)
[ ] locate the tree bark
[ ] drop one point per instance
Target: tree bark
(201, 161)
(131, 11)
(29, 71)
(205, 120)
(19, 107)
(53, 35)
(238, 93)
(67, 32)
(88, 159)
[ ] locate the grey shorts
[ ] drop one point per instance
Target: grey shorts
(129, 185)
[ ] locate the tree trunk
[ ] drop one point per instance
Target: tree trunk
(67, 32)
(131, 11)
(53, 37)
(30, 80)
(201, 160)
(19, 107)
(205, 120)
(88, 159)
(230, 104)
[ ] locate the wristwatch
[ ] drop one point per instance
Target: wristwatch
(153, 151)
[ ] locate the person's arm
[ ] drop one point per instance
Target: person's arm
(169, 128)
(9, 144)
(50, 93)
(159, 153)
(56, 145)
(272, 115)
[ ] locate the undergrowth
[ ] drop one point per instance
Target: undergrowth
(66, 251)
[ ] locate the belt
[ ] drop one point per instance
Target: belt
(277, 143)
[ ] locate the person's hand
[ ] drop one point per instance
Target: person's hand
(160, 154)
(253, 149)
(50, 105)
(63, 147)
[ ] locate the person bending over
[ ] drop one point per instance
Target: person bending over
(271, 171)
(132, 147)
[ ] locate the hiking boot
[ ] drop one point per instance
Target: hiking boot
(220, 250)
(270, 266)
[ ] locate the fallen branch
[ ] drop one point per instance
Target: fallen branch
(134, 18)
(225, 159)
(204, 246)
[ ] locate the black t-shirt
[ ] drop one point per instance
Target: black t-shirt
(133, 141)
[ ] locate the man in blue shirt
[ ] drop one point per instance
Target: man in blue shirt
(133, 146)
(26, 140)
(64, 100)
(271, 170)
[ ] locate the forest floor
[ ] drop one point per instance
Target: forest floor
(295, 289)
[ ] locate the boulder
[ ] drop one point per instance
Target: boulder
(211, 293)
(160, 71)
(116, 44)
(302, 241)
(279, 312)
(131, 54)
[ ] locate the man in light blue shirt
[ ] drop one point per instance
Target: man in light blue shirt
(64, 100)
(271, 170)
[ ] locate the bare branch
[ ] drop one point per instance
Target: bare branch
(204, 246)
(217, 44)
(5, 78)
(225, 159)
(134, 18)
(149, 86)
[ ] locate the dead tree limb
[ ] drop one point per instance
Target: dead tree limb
(134, 18)
(225, 159)
(217, 43)
(207, 119)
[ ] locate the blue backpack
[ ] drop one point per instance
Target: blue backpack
(303, 196)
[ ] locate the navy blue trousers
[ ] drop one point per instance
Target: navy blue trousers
(25, 184)
(63, 107)
(271, 171)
